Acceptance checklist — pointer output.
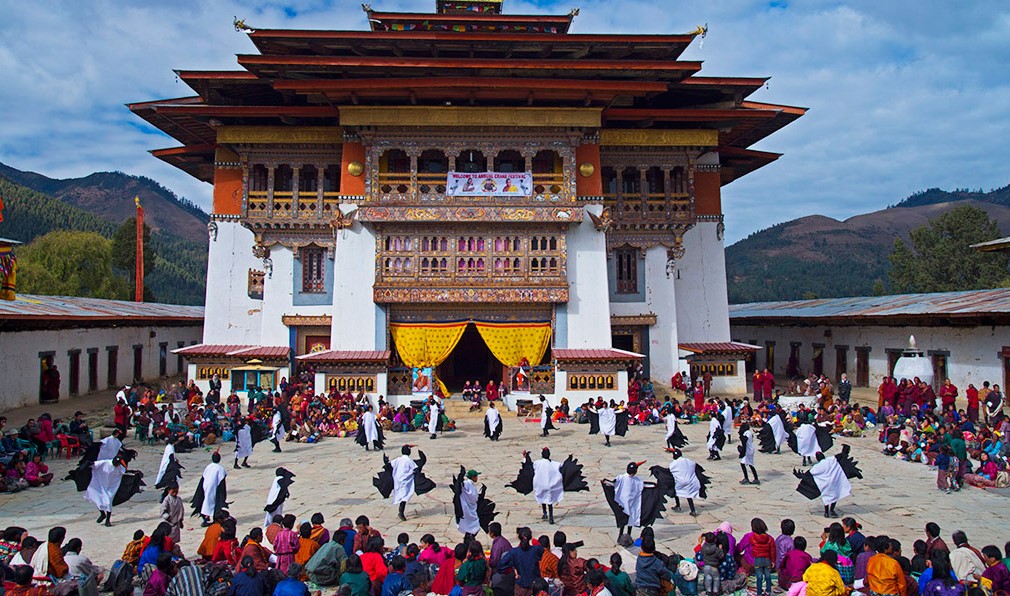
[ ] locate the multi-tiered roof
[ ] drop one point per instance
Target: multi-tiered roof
(466, 54)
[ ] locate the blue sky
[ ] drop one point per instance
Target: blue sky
(903, 94)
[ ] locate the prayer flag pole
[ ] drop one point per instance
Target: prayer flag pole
(138, 295)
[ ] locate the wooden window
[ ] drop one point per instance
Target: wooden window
(313, 270)
(162, 359)
(113, 366)
(254, 284)
(627, 271)
(138, 362)
(75, 371)
(841, 361)
(92, 369)
(179, 367)
(863, 367)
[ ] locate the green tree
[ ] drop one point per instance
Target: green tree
(65, 263)
(124, 255)
(939, 258)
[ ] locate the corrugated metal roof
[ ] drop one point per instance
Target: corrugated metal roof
(210, 349)
(608, 354)
(237, 351)
(262, 352)
(722, 347)
(946, 304)
(346, 356)
(29, 306)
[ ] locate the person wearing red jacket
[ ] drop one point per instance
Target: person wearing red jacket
(763, 550)
(948, 394)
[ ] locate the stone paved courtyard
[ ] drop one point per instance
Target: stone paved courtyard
(334, 477)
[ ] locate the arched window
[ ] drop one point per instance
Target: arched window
(394, 161)
(509, 160)
(609, 177)
(546, 162)
(331, 178)
(308, 178)
(654, 179)
(283, 177)
(433, 161)
(679, 181)
(258, 178)
(471, 161)
(631, 181)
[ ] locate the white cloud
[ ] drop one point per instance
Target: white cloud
(903, 94)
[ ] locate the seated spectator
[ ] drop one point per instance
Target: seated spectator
(165, 570)
(292, 585)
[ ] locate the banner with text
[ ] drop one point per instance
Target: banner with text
(498, 184)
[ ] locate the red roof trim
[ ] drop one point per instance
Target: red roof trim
(237, 351)
(265, 111)
(571, 38)
(186, 150)
(686, 114)
(328, 85)
(468, 17)
(754, 105)
(346, 356)
(725, 347)
(585, 354)
(523, 64)
(240, 75)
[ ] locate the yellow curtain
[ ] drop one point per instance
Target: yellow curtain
(426, 344)
(511, 342)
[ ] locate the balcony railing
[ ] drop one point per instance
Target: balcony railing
(424, 187)
(284, 205)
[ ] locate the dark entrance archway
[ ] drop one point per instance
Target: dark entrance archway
(471, 361)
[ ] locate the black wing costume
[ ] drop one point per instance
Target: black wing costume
(549, 412)
(571, 472)
(173, 472)
(824, 439)
(383, 481)
(131, 484)
(492, 433)
(523, 484)
(808, 486)
(362, 440)
(666, 482)
(219, 502)
(653, 503)
(285, 480)
(485, 507)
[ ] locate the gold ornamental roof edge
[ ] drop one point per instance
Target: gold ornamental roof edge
(280, 134)
(469, 116)
(617, 137)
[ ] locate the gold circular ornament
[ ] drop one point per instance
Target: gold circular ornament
(586, 169)
(355, 168)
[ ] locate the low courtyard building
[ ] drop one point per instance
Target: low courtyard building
(965, 336)
(64, 347)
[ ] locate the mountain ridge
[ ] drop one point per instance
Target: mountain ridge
(819, 256)
(109, 195)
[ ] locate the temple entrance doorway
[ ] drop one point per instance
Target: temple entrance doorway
(471, 360)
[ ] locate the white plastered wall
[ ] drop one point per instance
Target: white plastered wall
(231, 317)
(587, 311)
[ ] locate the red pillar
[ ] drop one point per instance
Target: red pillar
(138, 295)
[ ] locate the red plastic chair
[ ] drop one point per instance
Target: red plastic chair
(68, 444)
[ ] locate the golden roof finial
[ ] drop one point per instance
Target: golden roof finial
(240, 26)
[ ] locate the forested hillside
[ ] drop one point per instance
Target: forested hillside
(179, 271)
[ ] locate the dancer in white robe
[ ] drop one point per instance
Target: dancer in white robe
(212, 490)
(806, 442)
(106, 475)
(747, 448)
(549, 480)
(628, 489)
(727, 422)
(278, 430)
(469, 523)
(492, 422)
(166, 458)
(243, 444)
(279, 492)
(110, 446)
